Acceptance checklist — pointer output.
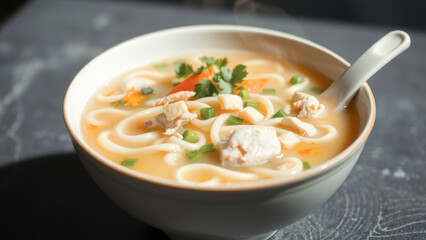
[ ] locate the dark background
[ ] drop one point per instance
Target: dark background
(402, 13)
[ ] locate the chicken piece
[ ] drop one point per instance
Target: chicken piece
(174, 110)
(251, 115)
(137, 84)
(288, 140)
(172, 118)
(250, 146)
(175, 97)
(307, 105)
(303, 128)
(230, 101)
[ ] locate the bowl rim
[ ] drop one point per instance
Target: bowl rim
(264, 184)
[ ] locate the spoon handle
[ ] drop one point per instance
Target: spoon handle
(383, 51)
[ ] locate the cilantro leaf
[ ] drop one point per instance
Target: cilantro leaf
(226, 74)
(224, 86)
(220, 63)
(205, 88)
(207, 60)
(183, 70)
(238, 74)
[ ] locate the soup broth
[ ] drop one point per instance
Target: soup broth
(122, 120)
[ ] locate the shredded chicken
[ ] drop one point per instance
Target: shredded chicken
(251, 115)
(288, 140)
(172, 118)
(303, 128)
(250, 146)
(175, 97)
(230, 101)
(175, 110)
(307, 105)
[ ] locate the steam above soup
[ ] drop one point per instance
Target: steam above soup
(227, 118)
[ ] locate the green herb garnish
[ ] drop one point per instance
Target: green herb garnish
(194, 155)
(147, 90)
(222, 82)
(306, 165)
(205, 88)
(183, 70)
(207, 113)
(280, 114)
(190, 136)
(269, 90)
(207, 148)
(129, 162)
(232, 120)
(316, 90)
(244, 94)
(251, 104)
(296, 79)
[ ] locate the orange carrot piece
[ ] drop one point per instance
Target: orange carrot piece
(253, 85)
(133, 98)
(92, 128)
(189, 83)
(308, 151)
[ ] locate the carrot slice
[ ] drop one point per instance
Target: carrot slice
(92, 128)
(253, 85)
(189, 83)
(133, 98)
(308, 151)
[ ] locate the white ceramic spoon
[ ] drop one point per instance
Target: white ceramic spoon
(384, 50)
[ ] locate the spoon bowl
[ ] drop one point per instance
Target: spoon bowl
(383, 51)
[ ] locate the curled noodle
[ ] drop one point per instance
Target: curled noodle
(187, 145)
(265, 102)
(211, 174)
(158, 76)
(215, 130)
(141, 139)
(109, 99)
(106, 143)
(297, 87)
(174, 159)
(92, 115)
(283, 168)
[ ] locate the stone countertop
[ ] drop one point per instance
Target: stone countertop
(46, 194)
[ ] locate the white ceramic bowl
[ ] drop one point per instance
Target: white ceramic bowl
(246, 211)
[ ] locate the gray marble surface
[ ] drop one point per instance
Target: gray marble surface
(46, 194)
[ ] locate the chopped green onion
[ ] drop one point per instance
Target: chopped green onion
(269, 90)
(190, 136)
(232, 120)
(194, 155)
(279, 114)
(243, 93)
(160, 66)
(306, 165)
(251, 104)
(147, 90)
(175, 84)
(316, 90)
(129, 162)
(207, 148)
(296, 79)
(207, 113)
